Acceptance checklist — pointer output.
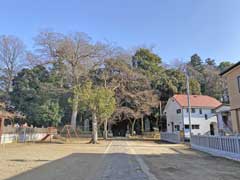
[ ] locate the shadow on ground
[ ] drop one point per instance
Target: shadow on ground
(123, 166)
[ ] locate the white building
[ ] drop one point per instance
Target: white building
(203, 117)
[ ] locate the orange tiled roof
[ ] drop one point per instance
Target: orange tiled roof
(197, 101)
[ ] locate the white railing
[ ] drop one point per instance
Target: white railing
(223, 146)
(170, 137)
(9, 138)
(11, 134)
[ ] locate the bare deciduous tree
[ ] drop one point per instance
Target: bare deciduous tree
(11, 58)
(78, 54)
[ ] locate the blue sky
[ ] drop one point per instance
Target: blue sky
(176, 28)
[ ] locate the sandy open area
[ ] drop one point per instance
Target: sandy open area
(114, 159)
(18, 158)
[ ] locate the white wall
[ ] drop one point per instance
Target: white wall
(172, 116)
(199, 119)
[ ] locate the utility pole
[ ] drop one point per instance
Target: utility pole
(189, 104)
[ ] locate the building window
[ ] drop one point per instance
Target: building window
(178, 111)
(193, 110)
(238, 79)
(177, 127)
(195, 126)
(212, 111)
(186, 126)
(200, 111)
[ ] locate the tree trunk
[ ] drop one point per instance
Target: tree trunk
(74, 112)
(158, 120)
(142, 125)
(132, 128)
(105, 132)
(74, 119)
(94, 129)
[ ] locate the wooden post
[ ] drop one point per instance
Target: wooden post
(238, 119)
(238, 144)
(24, 135)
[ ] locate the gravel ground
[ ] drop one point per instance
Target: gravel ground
(179, 162)
(19, 158)
(112, 160)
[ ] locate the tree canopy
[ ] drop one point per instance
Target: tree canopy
(100, 101)
(69, 77)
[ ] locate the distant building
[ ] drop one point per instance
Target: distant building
(203, 117)
(224, 121)
(232, 76)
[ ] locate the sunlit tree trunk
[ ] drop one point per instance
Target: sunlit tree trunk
(105, 133)
(132, 128)
(94, 129)
(74, 112)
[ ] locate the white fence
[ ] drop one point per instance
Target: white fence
(9, 138)
(223, 146)
(170, 137)
(10, 134)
